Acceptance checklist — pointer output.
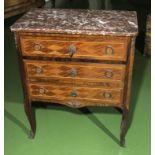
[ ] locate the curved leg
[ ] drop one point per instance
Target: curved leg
(123, 126)
(31, 117)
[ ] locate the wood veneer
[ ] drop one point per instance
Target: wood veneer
(78, 67)
(50, 47)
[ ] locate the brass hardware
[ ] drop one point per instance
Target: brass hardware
(74, 104)
(107, 95)
(37, 47)
(39, 70)
(109, 73)
(73, 72)
(41, 90)
(72, 50)
(73, 93)
(109, 50)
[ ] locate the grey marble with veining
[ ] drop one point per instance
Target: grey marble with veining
(69, 21)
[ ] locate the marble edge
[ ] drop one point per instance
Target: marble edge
(82, 32)
(75, 33)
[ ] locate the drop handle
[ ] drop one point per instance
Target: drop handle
(71, 50)
(109, 73)
(37, 47)
(73, 93)
(107, 95)
(41, 91)
(109, 50)
(73, 72)
(39, 70)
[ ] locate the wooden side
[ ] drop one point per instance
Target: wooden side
(21, 67)
(80, 95)
(129, 74)
(127, 91)
(78, 70)
(27, 100)
(110, 49)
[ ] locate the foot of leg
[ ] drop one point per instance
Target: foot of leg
(31, 118)
(31, 135)
(123, 127)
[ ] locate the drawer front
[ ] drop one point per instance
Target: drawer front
(76, 96)
(47, 69)
(70, 82)
(106, 50)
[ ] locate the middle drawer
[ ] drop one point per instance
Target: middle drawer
(48, 69)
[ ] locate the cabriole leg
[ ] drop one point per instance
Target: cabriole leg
(123, 126)
(31, 117)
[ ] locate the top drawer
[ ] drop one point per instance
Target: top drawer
(110, 49)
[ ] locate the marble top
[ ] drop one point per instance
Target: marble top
(69, 21)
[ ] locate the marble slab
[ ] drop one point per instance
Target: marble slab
(69, 21)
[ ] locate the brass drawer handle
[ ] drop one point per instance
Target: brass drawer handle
(107, 95)
(41, 91)
(109, 50)
(73, 93)
(37, 47)
(71, 50)
(73, 72)
(39, 70)
(109, 73)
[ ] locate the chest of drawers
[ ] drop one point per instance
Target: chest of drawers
(76, 58)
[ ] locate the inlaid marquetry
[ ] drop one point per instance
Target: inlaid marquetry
(64, 94)
(77, 58)
(48, 47)
(47, 69)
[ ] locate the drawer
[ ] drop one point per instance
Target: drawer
(78, 70)
(70, 82)
(110, 49)
(75, 96)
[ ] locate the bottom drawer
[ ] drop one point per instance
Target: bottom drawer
(76, 96)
